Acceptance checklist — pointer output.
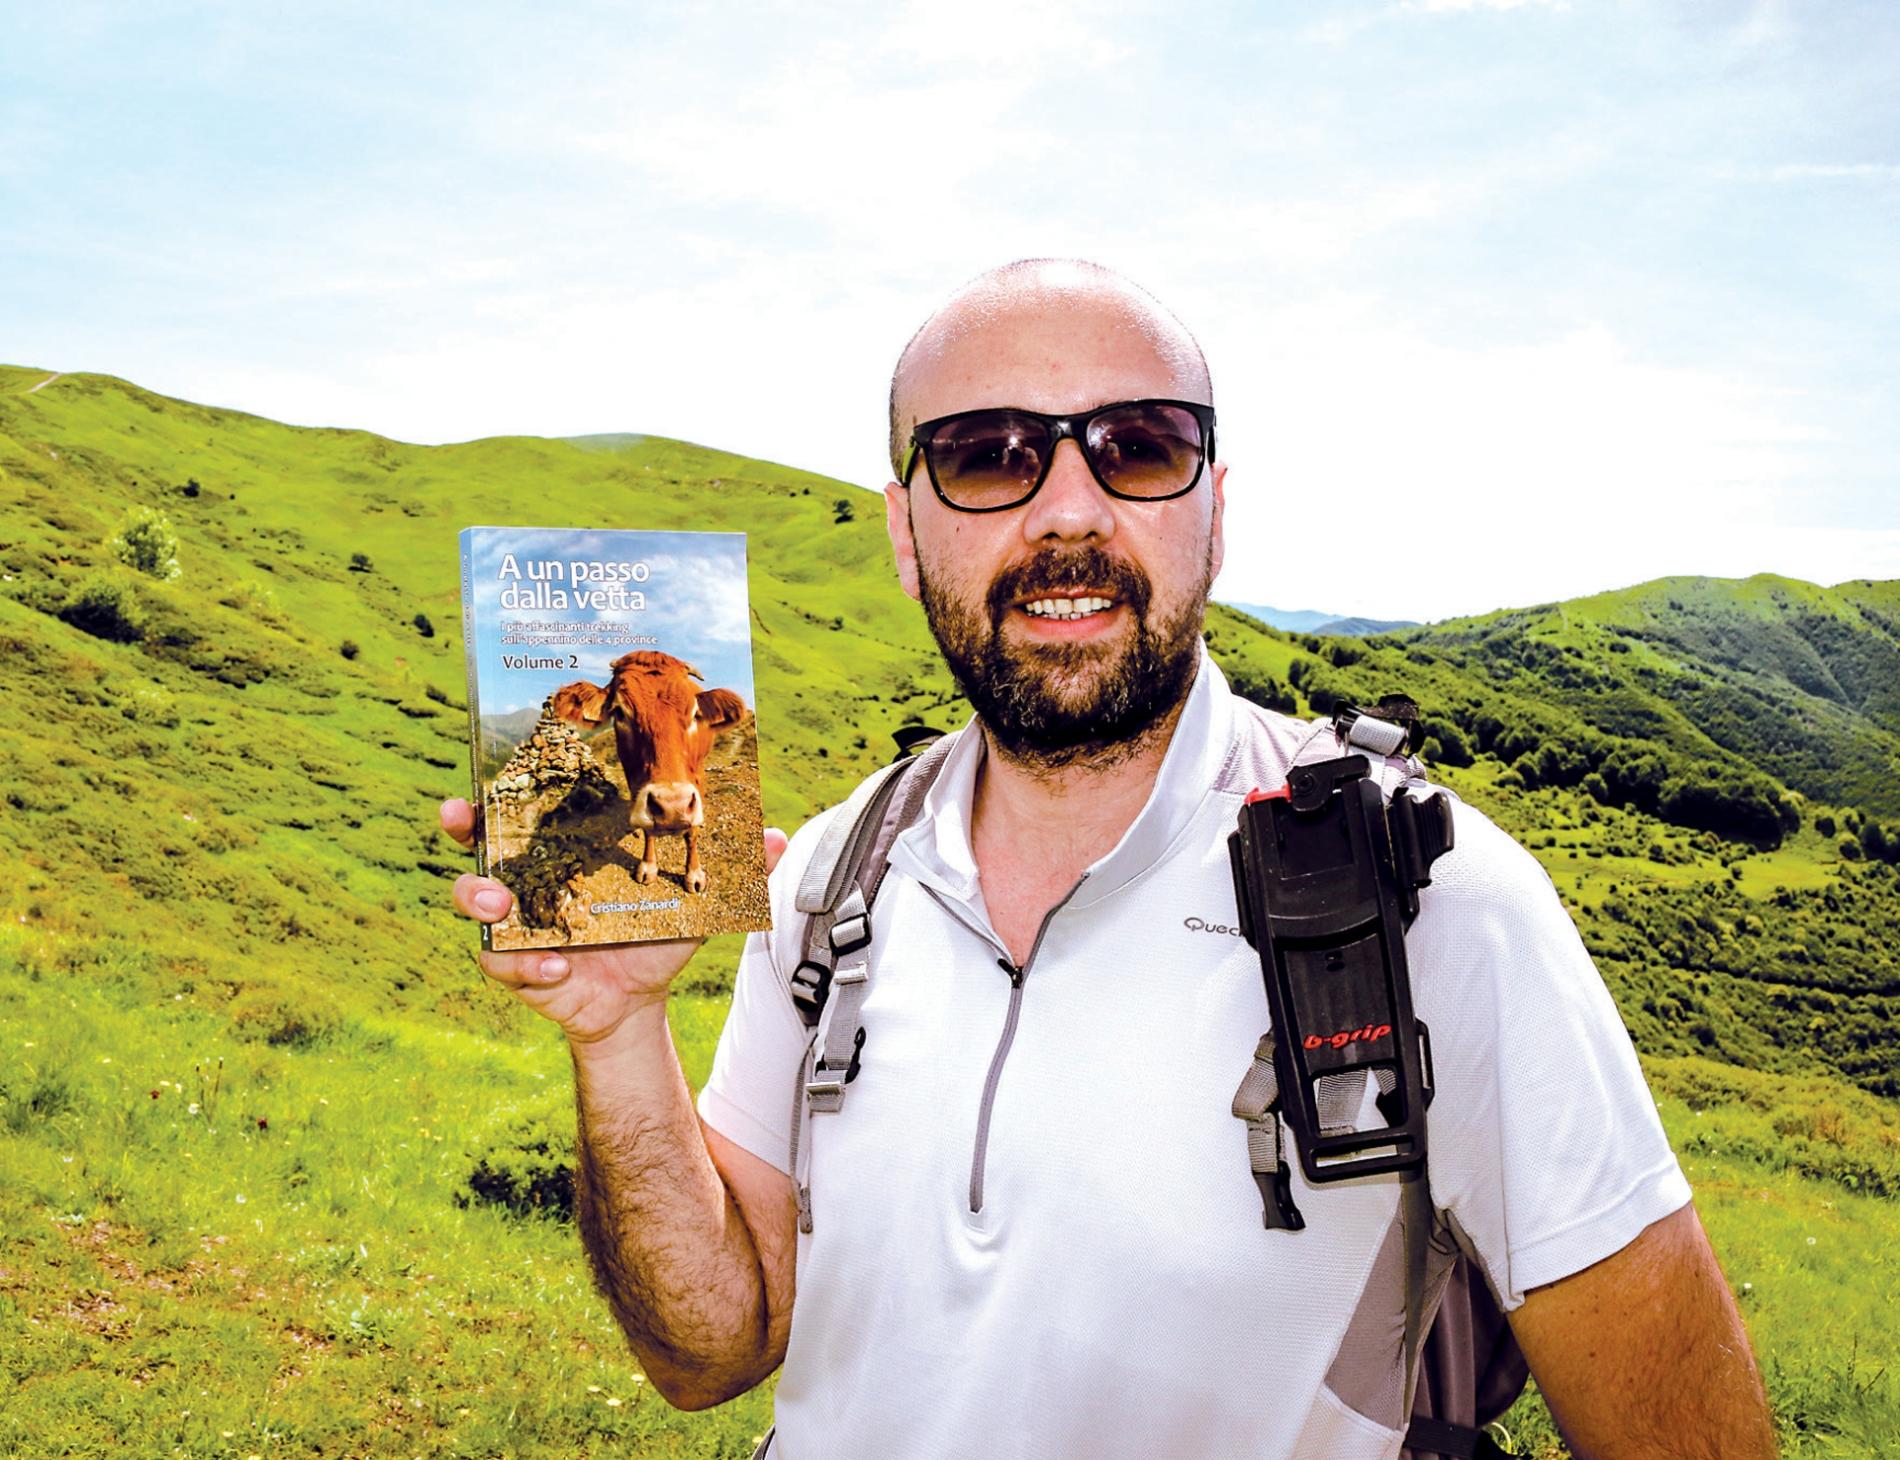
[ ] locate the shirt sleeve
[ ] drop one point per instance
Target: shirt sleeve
(748, 1096)
(1546, 1150)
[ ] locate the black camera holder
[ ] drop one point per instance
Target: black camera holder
(1326, 875)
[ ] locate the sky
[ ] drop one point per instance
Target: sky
(1505, 301)
(681, 593)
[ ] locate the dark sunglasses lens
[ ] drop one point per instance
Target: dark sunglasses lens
(987, 458)
(1146, 449)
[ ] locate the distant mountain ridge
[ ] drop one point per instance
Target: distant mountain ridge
(1310, 621)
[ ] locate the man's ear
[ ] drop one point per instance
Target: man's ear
(1217, 549)
(903, 544)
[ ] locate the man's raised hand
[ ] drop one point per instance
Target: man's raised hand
(589, 992)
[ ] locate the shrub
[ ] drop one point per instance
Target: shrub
(436, 693)
(842, 511)
(152, 705)
(526, 1165)
(423, 626)
(349, 649)
(271, 1016)
(360, 563)
(1263, 689)
(1824, 824)
(1850, 849)
(107, 608)
(145, 542)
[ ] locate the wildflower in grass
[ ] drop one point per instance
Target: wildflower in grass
(613, 1401)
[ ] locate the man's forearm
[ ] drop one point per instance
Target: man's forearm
(669, 1249)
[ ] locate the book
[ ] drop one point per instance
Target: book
(612, 742)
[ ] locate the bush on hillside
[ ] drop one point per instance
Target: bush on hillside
(423, 626)
(1736, 809)
(152, 705)
(272, 1016)
(146, 543)
(1262, 688)
(107, 608)
(360, 563)
(349, 648)
(526, 1166)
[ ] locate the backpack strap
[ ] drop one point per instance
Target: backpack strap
(836, 893)
(1387, 733)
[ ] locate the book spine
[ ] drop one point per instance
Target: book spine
(469, 639)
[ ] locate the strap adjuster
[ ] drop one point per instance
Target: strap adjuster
(811, 985)
(826, 1095)
(850, 934)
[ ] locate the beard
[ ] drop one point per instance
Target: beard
(1052, 705)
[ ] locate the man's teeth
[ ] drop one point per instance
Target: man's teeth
(1067, 607)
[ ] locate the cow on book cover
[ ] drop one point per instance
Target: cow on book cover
(613, 745)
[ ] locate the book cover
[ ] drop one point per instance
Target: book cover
(612, 743)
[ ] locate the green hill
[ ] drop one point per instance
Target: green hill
(274, 1160)
(1800, 682)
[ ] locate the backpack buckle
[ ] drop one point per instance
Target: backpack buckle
(826, 1093)
(850, 934)
(811, 986)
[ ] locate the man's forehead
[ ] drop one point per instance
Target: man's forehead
(1060, 349)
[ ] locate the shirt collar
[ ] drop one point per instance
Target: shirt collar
(936, 848)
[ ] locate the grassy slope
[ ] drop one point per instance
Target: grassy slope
(224, 853)
(1801, 681)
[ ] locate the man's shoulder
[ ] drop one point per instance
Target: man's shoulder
(1486, 864)
(1264, 747)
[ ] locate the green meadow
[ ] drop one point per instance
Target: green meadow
(279, 1173)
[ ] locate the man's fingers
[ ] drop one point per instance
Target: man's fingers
(459, 821)
(535, 969)
(482, 898)
(774, 846)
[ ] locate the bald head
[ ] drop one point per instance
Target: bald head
(1049, 334)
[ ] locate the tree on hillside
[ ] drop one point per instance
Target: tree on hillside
(145, 541)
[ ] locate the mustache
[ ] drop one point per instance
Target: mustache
(1058, 574)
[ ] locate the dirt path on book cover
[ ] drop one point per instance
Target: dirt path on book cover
(587, 863)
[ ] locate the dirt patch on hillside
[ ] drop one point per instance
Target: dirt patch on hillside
(571, 857)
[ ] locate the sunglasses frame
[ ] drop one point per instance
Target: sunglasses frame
(1073, 427)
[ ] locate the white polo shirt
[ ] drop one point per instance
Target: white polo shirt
(1085, 1272)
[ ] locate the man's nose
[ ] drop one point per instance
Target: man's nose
(1070, 506)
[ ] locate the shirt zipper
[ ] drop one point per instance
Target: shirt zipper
(1016, 977)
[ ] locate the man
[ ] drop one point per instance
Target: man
(1033, 1232)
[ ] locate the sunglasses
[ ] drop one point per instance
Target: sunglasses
(991, 460)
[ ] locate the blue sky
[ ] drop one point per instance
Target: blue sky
(1550, 298)
(692, 587)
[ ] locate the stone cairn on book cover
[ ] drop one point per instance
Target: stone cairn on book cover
(551, 771)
